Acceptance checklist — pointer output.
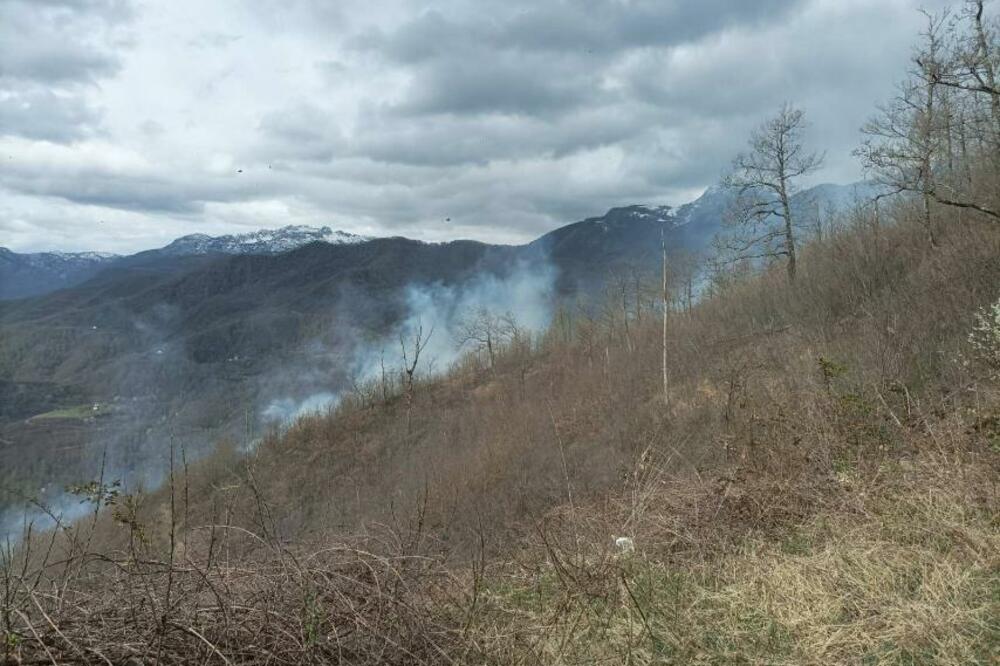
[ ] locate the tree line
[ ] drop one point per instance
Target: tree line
(936, 140)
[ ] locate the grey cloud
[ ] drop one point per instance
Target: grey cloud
(36, 112)
(723, 90)
(304, 132)
(608, 25)
(435, 141)
(213, 40)
(51, 53)
(524, 83)
(59, 41)
(505, 117)
(319, 18)
(542, 58)
(52, 62)
(504, 83)
(563, 26)
(151, 128)
(458, 140)
(104, 8)
(157, 192)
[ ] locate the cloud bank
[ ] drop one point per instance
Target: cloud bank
(124, 125)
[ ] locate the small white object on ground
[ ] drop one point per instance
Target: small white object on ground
(625, 544)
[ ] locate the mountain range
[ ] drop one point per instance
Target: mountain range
(34, 274)
(190, 342)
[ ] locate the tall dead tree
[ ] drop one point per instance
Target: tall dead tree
(618, 286)
(665, 296)
(764, 179)
(410, 364)
(929, 120)
(904, 140)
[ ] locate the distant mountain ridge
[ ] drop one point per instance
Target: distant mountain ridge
(39, 273)
(628, 231)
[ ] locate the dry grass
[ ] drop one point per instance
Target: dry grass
(901, 567)
(907, 573)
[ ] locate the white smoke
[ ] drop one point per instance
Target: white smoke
(527, 292)
(286, 410)
(315, 382)
(438, 310)
(64, 509)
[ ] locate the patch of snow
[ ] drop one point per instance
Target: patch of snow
(265, 241)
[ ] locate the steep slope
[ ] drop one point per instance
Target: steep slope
(187, 341)
(630, 237)
(184, 347)
(586, 250)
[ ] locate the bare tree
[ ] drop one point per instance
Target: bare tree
(904, 140)
(516, 335)
(384, 379)
(974, 62)
(410, 365)
(621, 284)
(630, 289)
(487, 331)
(945, 117)
(364, 390)
(665, 295)
(764, 179)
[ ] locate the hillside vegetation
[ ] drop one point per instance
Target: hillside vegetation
(183, 345)
(820, 486)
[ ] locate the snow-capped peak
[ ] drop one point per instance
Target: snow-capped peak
(630, 214)
(57, 260)
(86, 256)
(265, 241)
(654, 213)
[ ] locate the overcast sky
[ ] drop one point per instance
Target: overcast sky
(124, 124)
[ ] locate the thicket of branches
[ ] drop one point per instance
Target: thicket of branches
(939, 137)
